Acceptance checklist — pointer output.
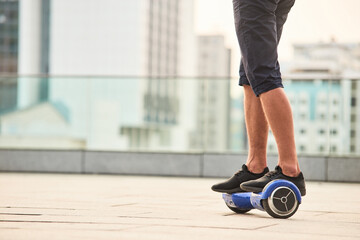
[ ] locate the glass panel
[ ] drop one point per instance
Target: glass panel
(163, 114)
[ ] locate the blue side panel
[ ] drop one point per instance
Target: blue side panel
(242, 200)
(256, 201)
(271, 186)
(228, 200)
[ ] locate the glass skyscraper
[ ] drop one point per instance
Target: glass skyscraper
(9, 35)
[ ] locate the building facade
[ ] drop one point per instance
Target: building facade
(322, 86)
(9, 38)
(212, 132)
(140, 48)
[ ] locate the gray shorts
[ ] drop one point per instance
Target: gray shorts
(259, 25)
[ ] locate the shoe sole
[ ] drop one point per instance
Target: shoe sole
(257, 190)
(229, 191)
(251, 189)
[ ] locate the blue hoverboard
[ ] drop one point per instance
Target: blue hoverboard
(279, 198)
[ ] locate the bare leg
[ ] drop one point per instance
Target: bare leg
(257, 131)
(279, 115)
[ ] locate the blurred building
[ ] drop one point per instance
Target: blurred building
(34, 50)
(212, 131)
(9, 36)
(340, 59)
(323, 89)
(148, 43)
(9, 25)
(49, 130)
(8, 94)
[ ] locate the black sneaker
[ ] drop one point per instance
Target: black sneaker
(232, 185)
(258, 184)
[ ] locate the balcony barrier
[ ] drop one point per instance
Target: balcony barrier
(94, 117)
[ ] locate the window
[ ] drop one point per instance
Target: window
(353, 85)
(353, 102)
(353, 118)
(321, 131)
(333, 131)
(352, 148)
(9, 36)
(353, 133)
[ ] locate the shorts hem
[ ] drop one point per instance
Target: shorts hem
(265, 87)
(243, 81)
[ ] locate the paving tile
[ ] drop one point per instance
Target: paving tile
(58, 206)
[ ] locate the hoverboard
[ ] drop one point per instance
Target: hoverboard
(279, 198)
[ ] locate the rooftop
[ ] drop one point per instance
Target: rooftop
(75, 206)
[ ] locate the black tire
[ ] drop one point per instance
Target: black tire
(238, 210)
(282, 203)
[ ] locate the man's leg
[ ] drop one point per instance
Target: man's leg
(257, 128)
(259, 33)
(259, 26)
(256, 122)
(279, 116)
(277, 109)
(257, 131)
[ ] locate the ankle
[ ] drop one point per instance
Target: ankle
(255, 168)
(290, 170)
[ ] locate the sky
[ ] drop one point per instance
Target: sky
(310, 21)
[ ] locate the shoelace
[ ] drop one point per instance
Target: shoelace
(240, 172)
(272, 173)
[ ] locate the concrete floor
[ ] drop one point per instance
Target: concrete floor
(56, 206)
